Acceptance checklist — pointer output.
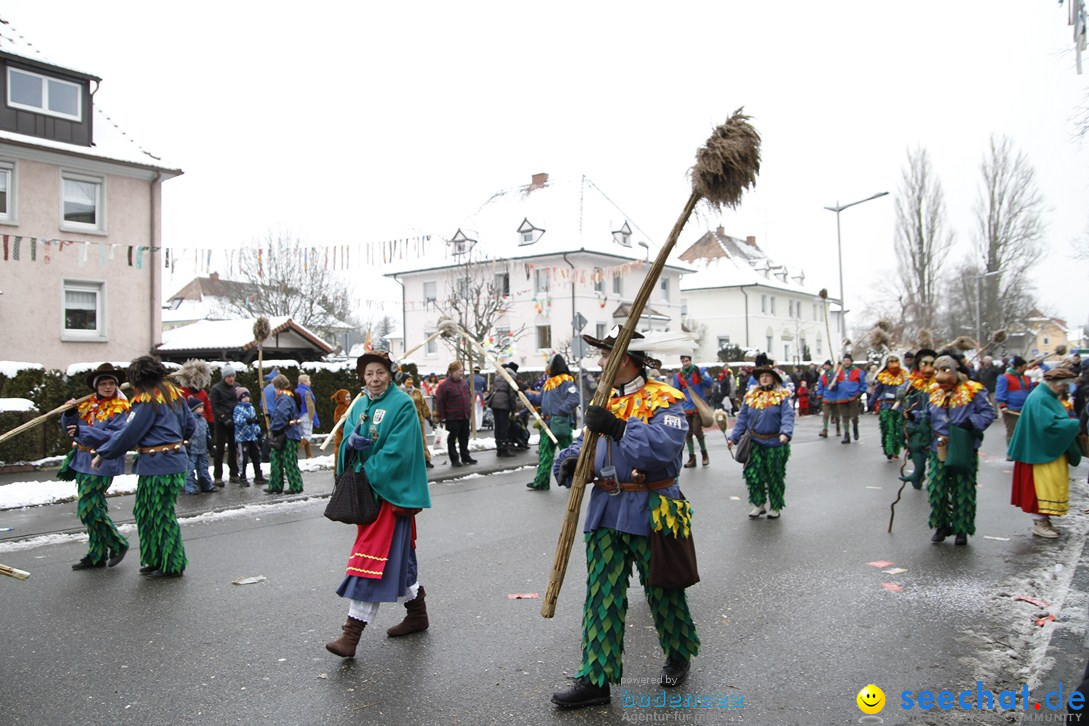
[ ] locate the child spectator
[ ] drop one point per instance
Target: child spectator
(247, 432)
(803, 398)
(199, 443)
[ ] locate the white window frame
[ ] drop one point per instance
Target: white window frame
(7, 170)
(772, 305)
(723, 341)
(44, 108)
(547, 329)
(618, 284)
(599, 280)
(431, 348)
(430, 300)
(99, 227)
(541, 281)
(601, 330)
(502, 284)
(98, 335)
(764, 304)
(663, 286)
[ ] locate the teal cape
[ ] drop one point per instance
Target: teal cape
(1045, 430)
(395, 462)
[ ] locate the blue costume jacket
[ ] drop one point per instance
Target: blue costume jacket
(169, 421)
(284, 410)
(967, 404)
(93, 435)
(653, 447)
(1012, 390)
(698, 380)
(849, 384)
(561, 400)
(768, 414)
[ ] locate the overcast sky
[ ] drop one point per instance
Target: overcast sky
(348, 122)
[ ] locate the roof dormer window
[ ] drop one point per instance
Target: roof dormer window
(460, 243)
(42, 94)
(622, 236)
(527, 233)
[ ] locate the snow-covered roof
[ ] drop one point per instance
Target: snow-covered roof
(11, 368)
(732, 272)
(237, 334)
(544, 218)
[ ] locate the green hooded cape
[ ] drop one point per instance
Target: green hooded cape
(395, 462)
(1045, 430)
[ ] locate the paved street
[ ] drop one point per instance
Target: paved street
(793, 620)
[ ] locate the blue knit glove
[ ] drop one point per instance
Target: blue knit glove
(358, 441)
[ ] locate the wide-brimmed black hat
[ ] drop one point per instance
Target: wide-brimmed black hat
(609, 342)
(374, 356)
(106, 370)
(761, 370)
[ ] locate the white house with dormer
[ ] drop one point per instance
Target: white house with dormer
(747, 299)
(549, 250)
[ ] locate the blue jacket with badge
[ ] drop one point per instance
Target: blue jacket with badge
(284, 410)
(156, 419)
(96, 421)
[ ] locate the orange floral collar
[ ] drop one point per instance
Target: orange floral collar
(920, 382)
(101, 409)
(759, 399)
(961, 395)
(557, 381)
(889, 379)
(643, 403)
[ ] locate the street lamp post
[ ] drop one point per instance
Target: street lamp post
(839, 253)
(979, 294)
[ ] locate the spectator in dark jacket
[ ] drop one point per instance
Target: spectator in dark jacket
(988, 374)
(501, 402)
(452, 407)
(224, 399)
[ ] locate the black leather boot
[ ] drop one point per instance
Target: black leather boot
(674, 672)
(940, 534)
(854, 428)
(581, 694)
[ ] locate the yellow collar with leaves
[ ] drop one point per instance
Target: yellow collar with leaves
(889, 379)
(757, 398)
(101, 409)
(557, 381)
(920, 382)
(961, 395)
(157, 396)
(643, 403)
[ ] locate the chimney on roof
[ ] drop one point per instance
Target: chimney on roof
(537, 181)
(750, 241)
(720, 231)
(214, 276)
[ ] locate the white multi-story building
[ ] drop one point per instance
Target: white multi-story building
(744, 298)
(545, 252)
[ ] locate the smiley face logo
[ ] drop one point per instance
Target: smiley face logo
(871, 699)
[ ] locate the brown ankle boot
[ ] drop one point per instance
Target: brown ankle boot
(344, 646)
(691, 463)
(415, 620)
(306, 445)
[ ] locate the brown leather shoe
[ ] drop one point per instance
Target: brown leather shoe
(691, 463)
(344, 646)
(416, 619)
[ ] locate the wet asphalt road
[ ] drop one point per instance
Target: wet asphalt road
(793, 621)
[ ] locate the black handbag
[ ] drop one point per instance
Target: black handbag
(672, 561)
(277, 439)
(353, 501)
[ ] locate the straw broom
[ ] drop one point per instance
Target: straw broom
(261, 331)
(13, 572)
(725, 167)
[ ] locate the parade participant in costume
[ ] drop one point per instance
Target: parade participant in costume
(890, 382)
(803, 398)
(1043, 447)
(195, 376)
(159, 426)
(90, 425)
(341, 399)
(559, 401)
(692, 379)
(384, 441)
(247, 431)
(637, 460)
(308, 413)
(423, 413)
(769, 415)
(284, 437)
(199, 444)
(848, 385)
(224, 399)
(828, 399)
(1010, 391)
(916, 394)
(959, 412)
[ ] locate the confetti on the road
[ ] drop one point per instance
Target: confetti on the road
(735, 499)
(1033, 600)
(523, 596)
(880, 564)
(869, 487)
(892, 587)
(895, 570)
(5, 529)
(324, 676)
(999, 539)
(249, 580)
(1041, 622)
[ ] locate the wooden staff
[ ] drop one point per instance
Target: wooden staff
(443, 330)
(261, 331)
(514, 386)
(13, 572)
(36, 422)
(725, 167)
